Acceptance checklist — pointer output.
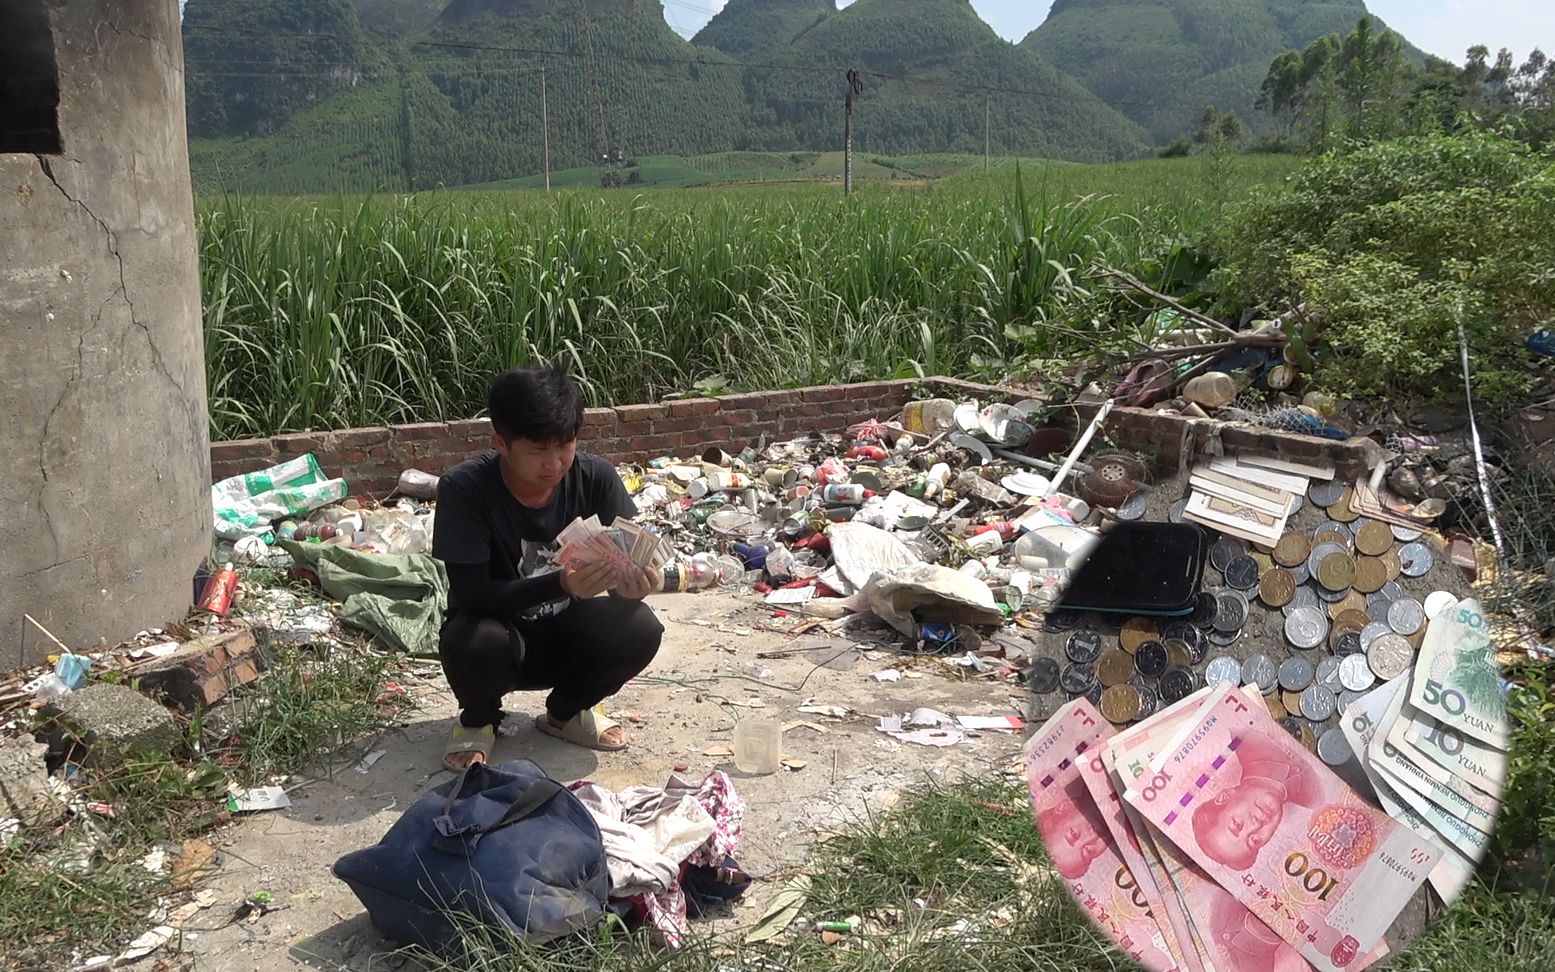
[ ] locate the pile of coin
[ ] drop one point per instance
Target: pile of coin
(1347, 624)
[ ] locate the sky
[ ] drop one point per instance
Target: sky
(1446, 28)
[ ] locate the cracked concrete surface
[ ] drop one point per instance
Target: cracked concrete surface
(106, 443)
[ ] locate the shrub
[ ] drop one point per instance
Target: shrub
(1390, 245)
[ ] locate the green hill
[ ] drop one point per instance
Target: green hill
(1162, 62)
(947, 50)
(748, 29)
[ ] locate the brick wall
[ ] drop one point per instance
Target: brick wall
(371, 459)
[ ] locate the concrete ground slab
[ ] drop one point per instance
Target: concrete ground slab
(686, 704)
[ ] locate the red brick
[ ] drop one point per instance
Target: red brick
(469, 428)
(421, 431)
(297, 443)
(367, 436)
(348, 456)
(736, 417)
(628, 414)
(235, 449)
(824, 393)
(693, 406)
(202, 671)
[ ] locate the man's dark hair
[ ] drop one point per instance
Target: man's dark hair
(540, 403)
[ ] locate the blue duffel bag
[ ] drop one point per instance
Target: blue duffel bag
(503, 846)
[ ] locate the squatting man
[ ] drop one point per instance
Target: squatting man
(516, 620)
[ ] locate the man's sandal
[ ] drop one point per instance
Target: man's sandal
(469, 739)
(586, 729)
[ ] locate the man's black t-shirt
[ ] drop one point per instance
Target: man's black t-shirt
(499, 553)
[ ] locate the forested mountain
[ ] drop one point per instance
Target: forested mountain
(320, 95)
(1162, 62)
(750, 28)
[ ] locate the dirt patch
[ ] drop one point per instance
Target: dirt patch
(687, 702)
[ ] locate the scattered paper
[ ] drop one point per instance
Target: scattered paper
(791, 595)
(781, 911)
(888, 675)
(718, 751)
(795, 764)
(371, 758)
(194, 861)
(993, 723)
(257, 799)
(937, 728)
(834, 711)
(806, 725)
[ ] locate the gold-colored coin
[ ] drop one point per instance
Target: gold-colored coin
(1341, 511)
(1418, 638)
(1276, 708)
(1332, 536)
(1277, 587)
(1291, 549)
(1353, 601)
(1374, 539)
(1370, 574)
(1178, 653)
(1290, 700)
(1393, 563)
(1120, 704)
(1262, 559)
(1137, 631)
(1336, 571)
(1115, 668)
(1355, 620)
(1309, 737)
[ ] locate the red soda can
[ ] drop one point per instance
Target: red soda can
(219, 590)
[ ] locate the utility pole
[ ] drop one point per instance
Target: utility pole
(987, 131)
(855, 87)
(545, 129)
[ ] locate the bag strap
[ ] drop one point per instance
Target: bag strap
(537, 795)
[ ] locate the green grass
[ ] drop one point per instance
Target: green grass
(330, 313)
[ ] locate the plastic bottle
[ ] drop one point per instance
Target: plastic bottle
(849, 494)
(780, 562)
(758, 746)
(935, 480)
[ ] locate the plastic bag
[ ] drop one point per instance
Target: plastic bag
(246, 505)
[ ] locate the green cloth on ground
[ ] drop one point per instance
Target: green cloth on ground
(400, 598)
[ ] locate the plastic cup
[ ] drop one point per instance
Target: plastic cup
(758, 746)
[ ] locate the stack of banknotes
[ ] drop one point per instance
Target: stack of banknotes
(623, 544)
(1209, 838)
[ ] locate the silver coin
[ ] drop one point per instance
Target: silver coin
(1177, 510)
(1392, 591)
(1390, 656)
(1318, 703)
(1406, 615)
(1438, 601)
(1225, 550)
(1259, 670)
(1372, 632)
(1242, 573)
(1223, 669)
(1333, 748)
(1331, 526)
(1224, 639)
(1230, 611)
(1348, 698)
(1297, 504)
(1305, 597)
(1378, 610)
(1296, 674)
(1301, 573)
(1405, 534)
(1417, 559)
(1327, 674)
(1331, 597)
(1306, 628)
(1355, 673)
(1325, 549)
(1327, 493)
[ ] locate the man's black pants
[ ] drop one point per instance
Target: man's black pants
(583, 655)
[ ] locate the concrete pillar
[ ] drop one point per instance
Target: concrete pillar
(104, 440)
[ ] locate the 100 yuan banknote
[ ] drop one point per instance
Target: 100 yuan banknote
(1275, 827)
